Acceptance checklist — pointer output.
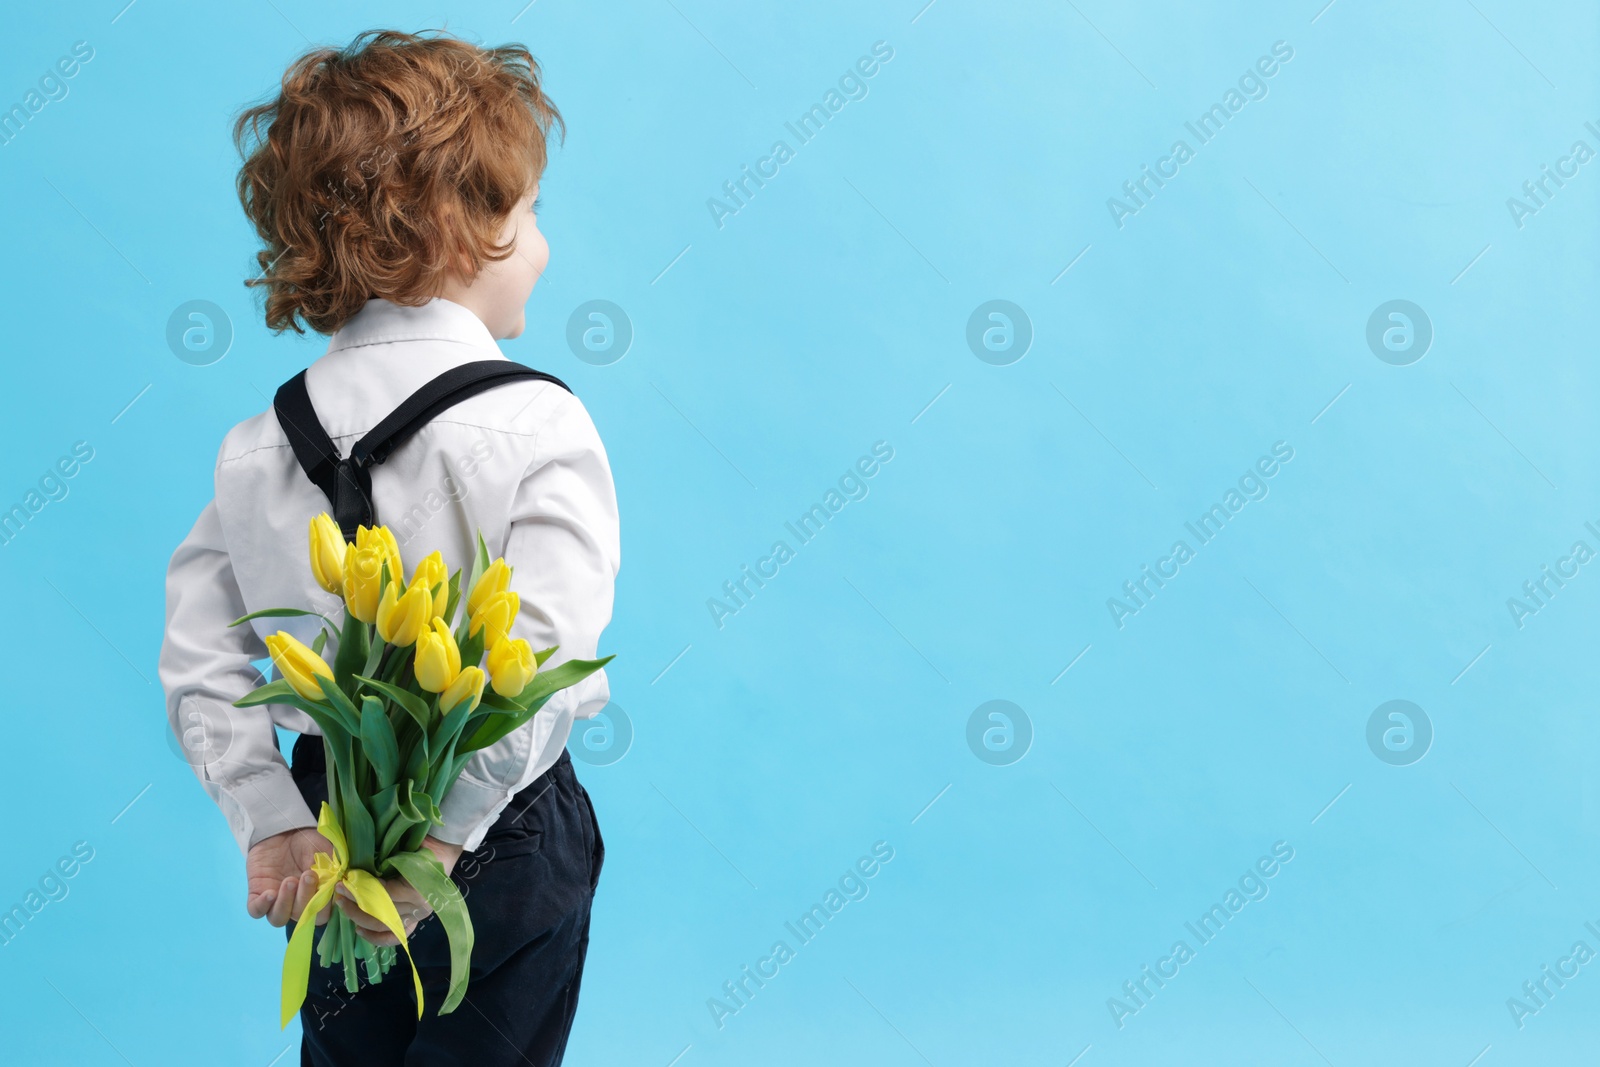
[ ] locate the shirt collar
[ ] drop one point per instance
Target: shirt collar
(381, 321)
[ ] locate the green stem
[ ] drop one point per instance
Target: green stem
(375, 655)
(347, 953)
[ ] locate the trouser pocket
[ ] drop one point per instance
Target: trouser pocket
(597, 852)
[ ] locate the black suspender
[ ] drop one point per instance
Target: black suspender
(347, 481)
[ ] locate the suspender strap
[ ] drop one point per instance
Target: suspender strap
(312, 447)
(347, 482)
(445, 391)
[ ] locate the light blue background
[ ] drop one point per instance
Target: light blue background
(828, 713)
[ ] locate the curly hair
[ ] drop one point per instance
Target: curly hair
(383, 165)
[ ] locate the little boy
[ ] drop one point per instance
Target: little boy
(394, 184)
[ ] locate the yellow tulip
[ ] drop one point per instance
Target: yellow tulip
(494, 580)
(511, 666)
(430, 573)
(438, 660)
(300, 666)
(495, 613)
(362, 568)
(469, 683)
(328, 548)
(382, 539)
(401, 618)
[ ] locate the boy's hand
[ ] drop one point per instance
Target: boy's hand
(278, 872)
(412, 905)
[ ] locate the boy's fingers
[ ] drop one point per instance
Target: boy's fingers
(305, 889)
(259, 905)
(362, 920)
(279, 913)
(373, 930)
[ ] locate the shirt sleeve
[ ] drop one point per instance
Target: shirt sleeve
(205, 666)
(564, 549)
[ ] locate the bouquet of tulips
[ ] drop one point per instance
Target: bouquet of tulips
(402, 708)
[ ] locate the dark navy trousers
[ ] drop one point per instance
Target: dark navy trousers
(528, 887)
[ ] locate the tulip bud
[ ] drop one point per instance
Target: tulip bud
(381, 539)
(511, 666)
(469, 683)
(328, 548)
(495, 613)
(494, 580)
(438, 660)
(300, 666)
(430, 573)
(402, 618)
(362, 569)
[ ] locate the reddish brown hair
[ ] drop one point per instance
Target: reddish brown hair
(382, 166)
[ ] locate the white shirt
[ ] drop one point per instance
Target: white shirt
(521, 462)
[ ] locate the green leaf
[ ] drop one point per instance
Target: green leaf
(539, 691)
(413, 840)
(378, 741)
(457, 764)
(426, 874)
(408, 803)
(277, 691)
(396, 668)
(472, 648)
(417, 761)
(328, 722)
(493, 730)
(327, 719)
(359, 829)
(543, 654)
(347, 808)
(406, 817)
(455, 598)
(448, 728)
(342, 705)
(276, 613)
(385, 808)
(353, 646)
(320, 641)
(413, 704)
(374, 657)
(430, 811)
(440, 779)
(480, 563)
(495, 702)
(395, 835)
(570, 673)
